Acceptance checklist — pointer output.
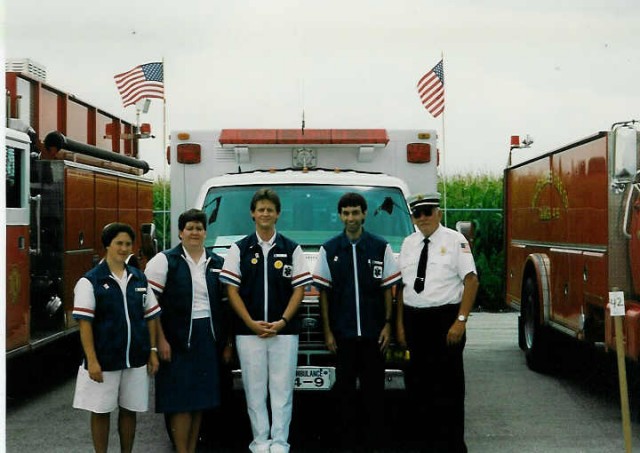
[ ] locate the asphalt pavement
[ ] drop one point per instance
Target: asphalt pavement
(508, 407)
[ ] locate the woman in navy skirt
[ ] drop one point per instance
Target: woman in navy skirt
(192, 326)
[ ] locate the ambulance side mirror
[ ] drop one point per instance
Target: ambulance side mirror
(468, 230)
(625, 154)
(149, 242)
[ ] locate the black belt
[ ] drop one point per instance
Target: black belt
(439, 308)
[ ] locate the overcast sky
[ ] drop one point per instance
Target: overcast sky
(557, 70)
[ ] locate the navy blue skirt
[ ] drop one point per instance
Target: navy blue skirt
(191, 381)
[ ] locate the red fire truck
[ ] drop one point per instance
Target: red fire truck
(71, 168)
(572, 232)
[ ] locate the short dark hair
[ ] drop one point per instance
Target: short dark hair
(111, 230)
(352, 199)
(192, 215)
(265, 194)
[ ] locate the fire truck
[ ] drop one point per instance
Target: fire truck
(219, 171)
(71, 168)
(572, 232)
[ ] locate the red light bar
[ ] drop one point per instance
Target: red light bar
(310, 137)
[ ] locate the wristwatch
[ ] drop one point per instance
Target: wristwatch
(462, 318)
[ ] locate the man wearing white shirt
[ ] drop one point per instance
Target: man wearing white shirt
(440, 284)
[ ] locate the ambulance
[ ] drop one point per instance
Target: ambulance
(218, 171)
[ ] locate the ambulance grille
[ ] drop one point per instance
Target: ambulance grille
(311, 336)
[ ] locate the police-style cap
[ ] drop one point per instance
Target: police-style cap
(424, 199)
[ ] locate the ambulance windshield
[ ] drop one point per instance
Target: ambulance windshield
(309, 214)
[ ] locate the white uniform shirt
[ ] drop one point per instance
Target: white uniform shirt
(449, 261)
(156, 272)
(265, 246)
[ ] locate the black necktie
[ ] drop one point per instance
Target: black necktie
(418, 285)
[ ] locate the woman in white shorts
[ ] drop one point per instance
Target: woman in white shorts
(117, 315)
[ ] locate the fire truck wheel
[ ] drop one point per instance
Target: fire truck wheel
(535, 337)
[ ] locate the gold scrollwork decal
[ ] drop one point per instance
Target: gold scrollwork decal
(546, 212)
(14, 282)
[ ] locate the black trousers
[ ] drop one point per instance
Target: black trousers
(360, 359)
(435, 379)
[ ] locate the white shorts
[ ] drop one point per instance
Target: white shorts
(128, 388)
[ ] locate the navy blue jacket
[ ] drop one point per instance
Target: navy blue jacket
(177, 299)
(112, 326)
(370, 252)
(279, 276)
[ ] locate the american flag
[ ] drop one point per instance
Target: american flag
(431, 90)
(144, 81)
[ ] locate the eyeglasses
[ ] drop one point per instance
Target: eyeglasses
(426, 211)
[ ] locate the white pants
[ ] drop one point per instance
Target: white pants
(268, 364)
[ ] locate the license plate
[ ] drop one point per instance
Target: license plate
(314, 378)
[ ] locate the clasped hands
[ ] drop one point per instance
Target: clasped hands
(264, 329)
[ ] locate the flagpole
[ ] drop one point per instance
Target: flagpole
(444, 161)
(164, 159)
(432, 95)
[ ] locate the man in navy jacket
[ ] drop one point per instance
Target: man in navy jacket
(355, 273)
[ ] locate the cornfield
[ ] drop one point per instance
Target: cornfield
(478, 198)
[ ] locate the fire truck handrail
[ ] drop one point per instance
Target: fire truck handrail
(38, 201)
(58, 141)
(627, 209)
